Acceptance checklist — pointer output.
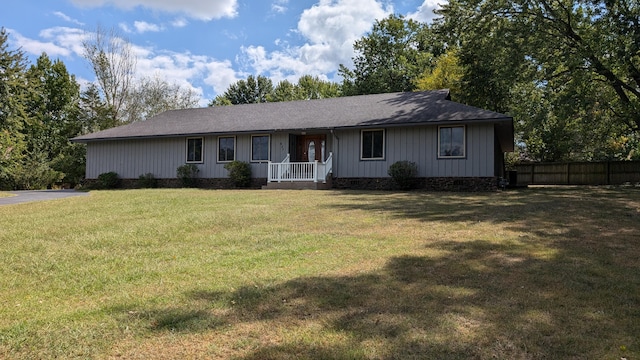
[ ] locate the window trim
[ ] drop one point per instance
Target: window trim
(384, 144)
(268, 148)
(235, 147)
(201, 138)
(464, 142)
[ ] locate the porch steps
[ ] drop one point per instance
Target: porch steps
(298, 185)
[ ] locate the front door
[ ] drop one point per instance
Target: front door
(311, 147)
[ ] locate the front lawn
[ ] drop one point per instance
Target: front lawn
(141, 274)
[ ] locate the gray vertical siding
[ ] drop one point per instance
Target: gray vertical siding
(133, 158)
(162, 156)
(420, 145)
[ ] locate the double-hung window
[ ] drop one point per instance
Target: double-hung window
(260, 148)
(226, 148)
(451, 142)
(195, 150)
(372, 144)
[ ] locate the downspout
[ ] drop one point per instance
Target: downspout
(337, 150)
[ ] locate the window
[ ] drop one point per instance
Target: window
(194, 150)
(226, 148)
(451, 142)
(259, 148)
(372, 142)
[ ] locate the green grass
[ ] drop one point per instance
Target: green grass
(139, 274)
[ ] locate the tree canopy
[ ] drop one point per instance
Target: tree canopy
(390, 57)
(260, 89)
(568, 70)
(42, 107)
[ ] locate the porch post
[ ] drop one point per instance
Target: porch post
(315, 172)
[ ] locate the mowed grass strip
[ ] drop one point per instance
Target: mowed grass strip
(537, 273)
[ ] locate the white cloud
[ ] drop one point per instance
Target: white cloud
(60, 42)
(67, 18)
(330, 29)
(197, 9)
(279, 6)
(143, 26)
(220, 74)
(36, 47)
(140, 27)
(425, 13)
(124, 27)
(185, 69)
(179, 22)
(67, 38)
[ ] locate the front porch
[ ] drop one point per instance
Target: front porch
(300, 175)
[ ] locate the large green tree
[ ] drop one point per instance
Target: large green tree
(307, 88)
(446, 74)
(260, 89)
(14, 91)
(566, 69)
(250, 91)
(54, 117)
(391, 57)
(95, 113)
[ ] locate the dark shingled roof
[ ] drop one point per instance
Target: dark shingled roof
(394, 109)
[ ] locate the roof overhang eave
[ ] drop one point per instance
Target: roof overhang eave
(378, 124)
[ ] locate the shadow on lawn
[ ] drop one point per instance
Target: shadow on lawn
(567, 290)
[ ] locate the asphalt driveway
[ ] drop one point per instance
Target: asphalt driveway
(23, 196)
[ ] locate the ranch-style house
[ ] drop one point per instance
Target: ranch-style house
(345, 142)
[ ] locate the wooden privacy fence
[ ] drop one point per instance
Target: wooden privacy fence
(579, 173)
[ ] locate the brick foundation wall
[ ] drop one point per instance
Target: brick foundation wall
(431, 184)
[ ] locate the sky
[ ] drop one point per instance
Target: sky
(206, 45)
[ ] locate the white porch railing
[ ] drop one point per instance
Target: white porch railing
(300, 171)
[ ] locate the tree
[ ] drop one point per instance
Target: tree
(390, 57)
(113, 62)
(285, 91)
(260, 89)
(579, 58)
(151, 96)
(307, 88)
(250, 91)
(220, 100)
(95, 114)
(54, 117)
(311, 87)
(447, 74)
(53, 106)
(14, 91)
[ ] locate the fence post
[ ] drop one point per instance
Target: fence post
(533, 174)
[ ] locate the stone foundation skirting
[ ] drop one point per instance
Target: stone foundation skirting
(430, 183)
(219, 183)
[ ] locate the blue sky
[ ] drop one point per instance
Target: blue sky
(206, 45)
